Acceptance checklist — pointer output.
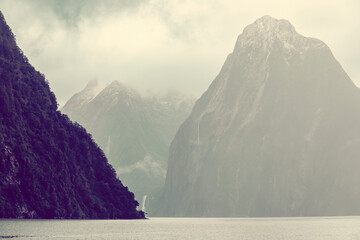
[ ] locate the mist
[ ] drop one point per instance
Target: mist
(158, 45)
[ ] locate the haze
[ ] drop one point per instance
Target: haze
(157, 45)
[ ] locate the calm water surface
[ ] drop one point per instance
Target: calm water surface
(342, 228)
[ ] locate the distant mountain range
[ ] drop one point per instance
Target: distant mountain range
(276, 134)
(134, 131)
(49, 166)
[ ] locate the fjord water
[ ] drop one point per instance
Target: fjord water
(316, 228)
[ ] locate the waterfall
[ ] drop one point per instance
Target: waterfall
(143, 203)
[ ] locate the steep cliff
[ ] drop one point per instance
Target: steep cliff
(276, 134)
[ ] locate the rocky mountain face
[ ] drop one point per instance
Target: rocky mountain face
(134, 131)
(276, 134)
(49, 166)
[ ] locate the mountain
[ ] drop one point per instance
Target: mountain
(81, 99)
(276, 134)
(134, 131)
(49, 167)
(168, 112)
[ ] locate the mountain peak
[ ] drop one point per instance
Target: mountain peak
(265, 31)
(272, 24)
(116, 84)
(82, 97)
(116, 88)
(268, 24)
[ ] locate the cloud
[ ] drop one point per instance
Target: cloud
(160, 44)
(148, 165)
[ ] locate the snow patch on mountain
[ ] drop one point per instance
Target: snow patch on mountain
(265, 32)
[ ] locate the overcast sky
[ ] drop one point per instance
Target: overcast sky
(158, 44)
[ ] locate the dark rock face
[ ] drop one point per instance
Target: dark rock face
(276, 134)
(49, 167)
(134, 131)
